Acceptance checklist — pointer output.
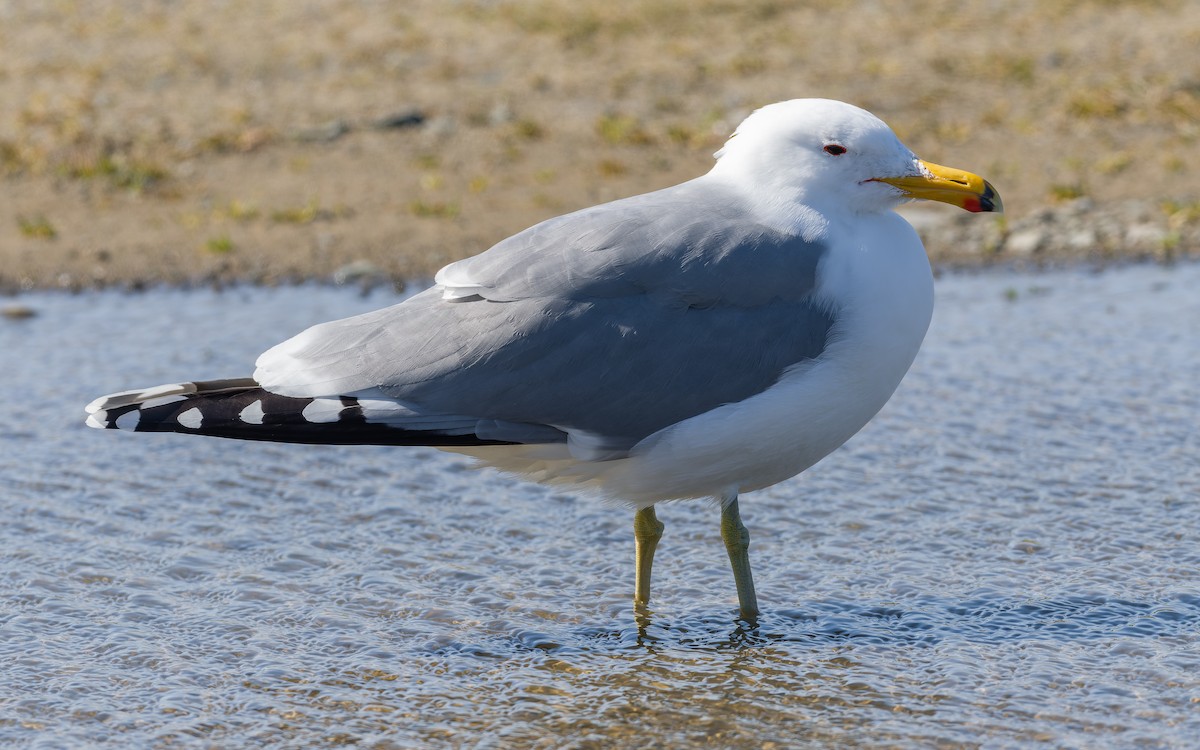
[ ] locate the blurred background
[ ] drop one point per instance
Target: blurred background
(201, 142)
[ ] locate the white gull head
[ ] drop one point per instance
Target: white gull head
(834, 157)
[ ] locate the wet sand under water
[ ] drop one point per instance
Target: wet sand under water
(1007, 555)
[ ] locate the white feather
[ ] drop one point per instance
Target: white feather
(253, 413)
(323, 410)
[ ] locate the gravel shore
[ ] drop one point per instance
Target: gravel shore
(186, 143)
(1073, 233)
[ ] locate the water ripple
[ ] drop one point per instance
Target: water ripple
(1008, 555)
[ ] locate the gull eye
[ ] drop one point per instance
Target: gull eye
(835, 149)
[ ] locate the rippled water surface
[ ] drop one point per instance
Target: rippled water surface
(1006, 556)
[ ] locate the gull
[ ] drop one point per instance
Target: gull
(701, 341)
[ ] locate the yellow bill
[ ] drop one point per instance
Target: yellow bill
(948, 185)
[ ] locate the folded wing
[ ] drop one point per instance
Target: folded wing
(611, 324)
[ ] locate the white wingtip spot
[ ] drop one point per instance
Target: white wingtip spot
(98, 419)
(323, 410)
(192, 418)
(252, 414)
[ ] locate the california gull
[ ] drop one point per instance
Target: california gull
(705, 340)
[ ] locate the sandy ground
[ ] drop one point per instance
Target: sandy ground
(207, 141)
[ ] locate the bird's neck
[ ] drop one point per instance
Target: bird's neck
(777, 202)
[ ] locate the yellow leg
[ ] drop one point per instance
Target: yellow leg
(647, 530)
(737, 544)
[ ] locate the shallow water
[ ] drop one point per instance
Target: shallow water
(1007, 556)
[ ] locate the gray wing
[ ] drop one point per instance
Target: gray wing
(616, 321)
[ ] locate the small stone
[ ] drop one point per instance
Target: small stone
(401, 118)
(1025, 242)
(1082, 239)
(326, 133)
(441, 126)
(1079, 206)
(1145, 237)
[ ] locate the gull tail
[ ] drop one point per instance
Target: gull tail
(239, 408)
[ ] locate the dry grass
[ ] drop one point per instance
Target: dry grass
(148, 129)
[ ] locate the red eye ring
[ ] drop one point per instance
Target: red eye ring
(835, 149)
